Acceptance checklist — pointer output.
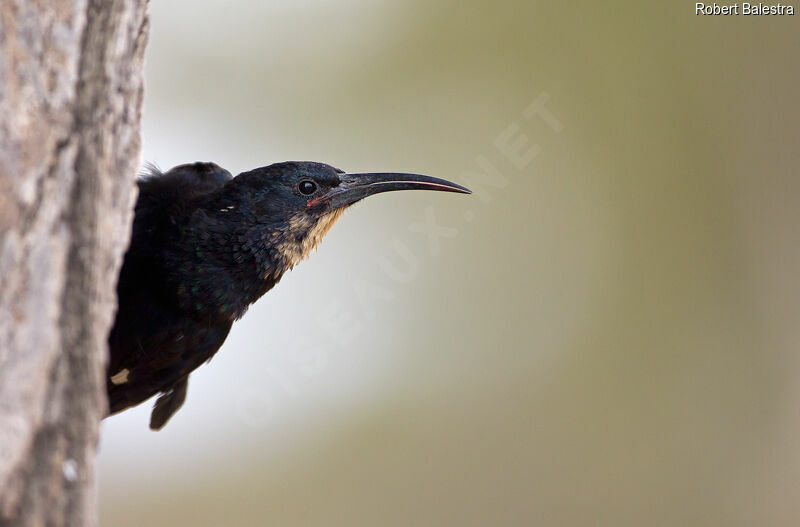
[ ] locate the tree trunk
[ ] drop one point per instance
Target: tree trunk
(70, 106)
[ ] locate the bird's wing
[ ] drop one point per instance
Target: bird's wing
(163, 199)
(153, 344)
(172, 346)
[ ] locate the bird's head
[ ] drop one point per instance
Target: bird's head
(302, 200)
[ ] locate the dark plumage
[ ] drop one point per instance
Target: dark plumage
(206, 245)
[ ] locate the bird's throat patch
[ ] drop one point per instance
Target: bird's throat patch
(305, 234)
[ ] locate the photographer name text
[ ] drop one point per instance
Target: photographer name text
(746, 9)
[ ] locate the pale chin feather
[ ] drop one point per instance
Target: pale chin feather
(294, 251)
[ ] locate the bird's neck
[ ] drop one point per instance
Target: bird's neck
(238, 254)
(227, 262)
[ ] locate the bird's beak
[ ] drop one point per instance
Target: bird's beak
(355, 187)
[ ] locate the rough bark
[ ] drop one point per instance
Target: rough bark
(70, 105)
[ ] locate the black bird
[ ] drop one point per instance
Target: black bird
(205, 245)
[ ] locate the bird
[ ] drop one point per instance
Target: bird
(205, 246)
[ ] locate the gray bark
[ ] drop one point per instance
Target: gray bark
(70, 106)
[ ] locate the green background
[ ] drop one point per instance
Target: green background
(606, 335)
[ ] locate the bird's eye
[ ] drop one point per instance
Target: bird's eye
(307, 187)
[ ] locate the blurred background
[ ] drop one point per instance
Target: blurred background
(605, 333)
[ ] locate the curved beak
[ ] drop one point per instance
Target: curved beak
(355, 187)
